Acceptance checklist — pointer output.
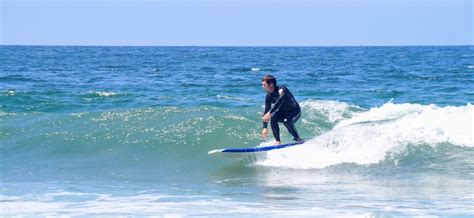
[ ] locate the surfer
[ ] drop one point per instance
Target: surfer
(280, 106)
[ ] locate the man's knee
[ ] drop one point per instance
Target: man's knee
(291, 119)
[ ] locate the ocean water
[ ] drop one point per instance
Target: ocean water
(126, 131)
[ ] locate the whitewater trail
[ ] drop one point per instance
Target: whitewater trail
(369, 137)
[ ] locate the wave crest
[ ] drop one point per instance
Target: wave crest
(369, 137)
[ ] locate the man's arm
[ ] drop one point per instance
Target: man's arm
(279, 102)
(268, 105)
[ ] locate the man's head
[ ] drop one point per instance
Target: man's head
(269, 83)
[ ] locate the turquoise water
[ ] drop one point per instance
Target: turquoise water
(126, 130)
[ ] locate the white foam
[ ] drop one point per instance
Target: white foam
(386, 112)
(369, 136)
(102, 93)
(149, 204)
(105, 94)
(332, 110)
(470, 66)
(255, 69)
(2, 113)
(10, 92)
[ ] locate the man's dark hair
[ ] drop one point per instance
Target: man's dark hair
(270, 79)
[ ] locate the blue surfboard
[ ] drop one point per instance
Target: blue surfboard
(244, 152)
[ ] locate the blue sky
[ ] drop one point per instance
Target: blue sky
(237, 23)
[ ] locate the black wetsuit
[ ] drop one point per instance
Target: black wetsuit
(283, 108)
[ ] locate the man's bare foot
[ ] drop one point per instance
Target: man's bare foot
(277, 142)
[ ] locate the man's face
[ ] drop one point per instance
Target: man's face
(266, 87)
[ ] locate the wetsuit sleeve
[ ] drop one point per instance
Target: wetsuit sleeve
(268, 105)
(276, 107)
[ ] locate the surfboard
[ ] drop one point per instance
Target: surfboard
(246, 152)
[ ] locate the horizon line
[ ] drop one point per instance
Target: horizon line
(94, 45)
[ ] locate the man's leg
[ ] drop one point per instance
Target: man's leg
(275, 128)
(289, 122)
